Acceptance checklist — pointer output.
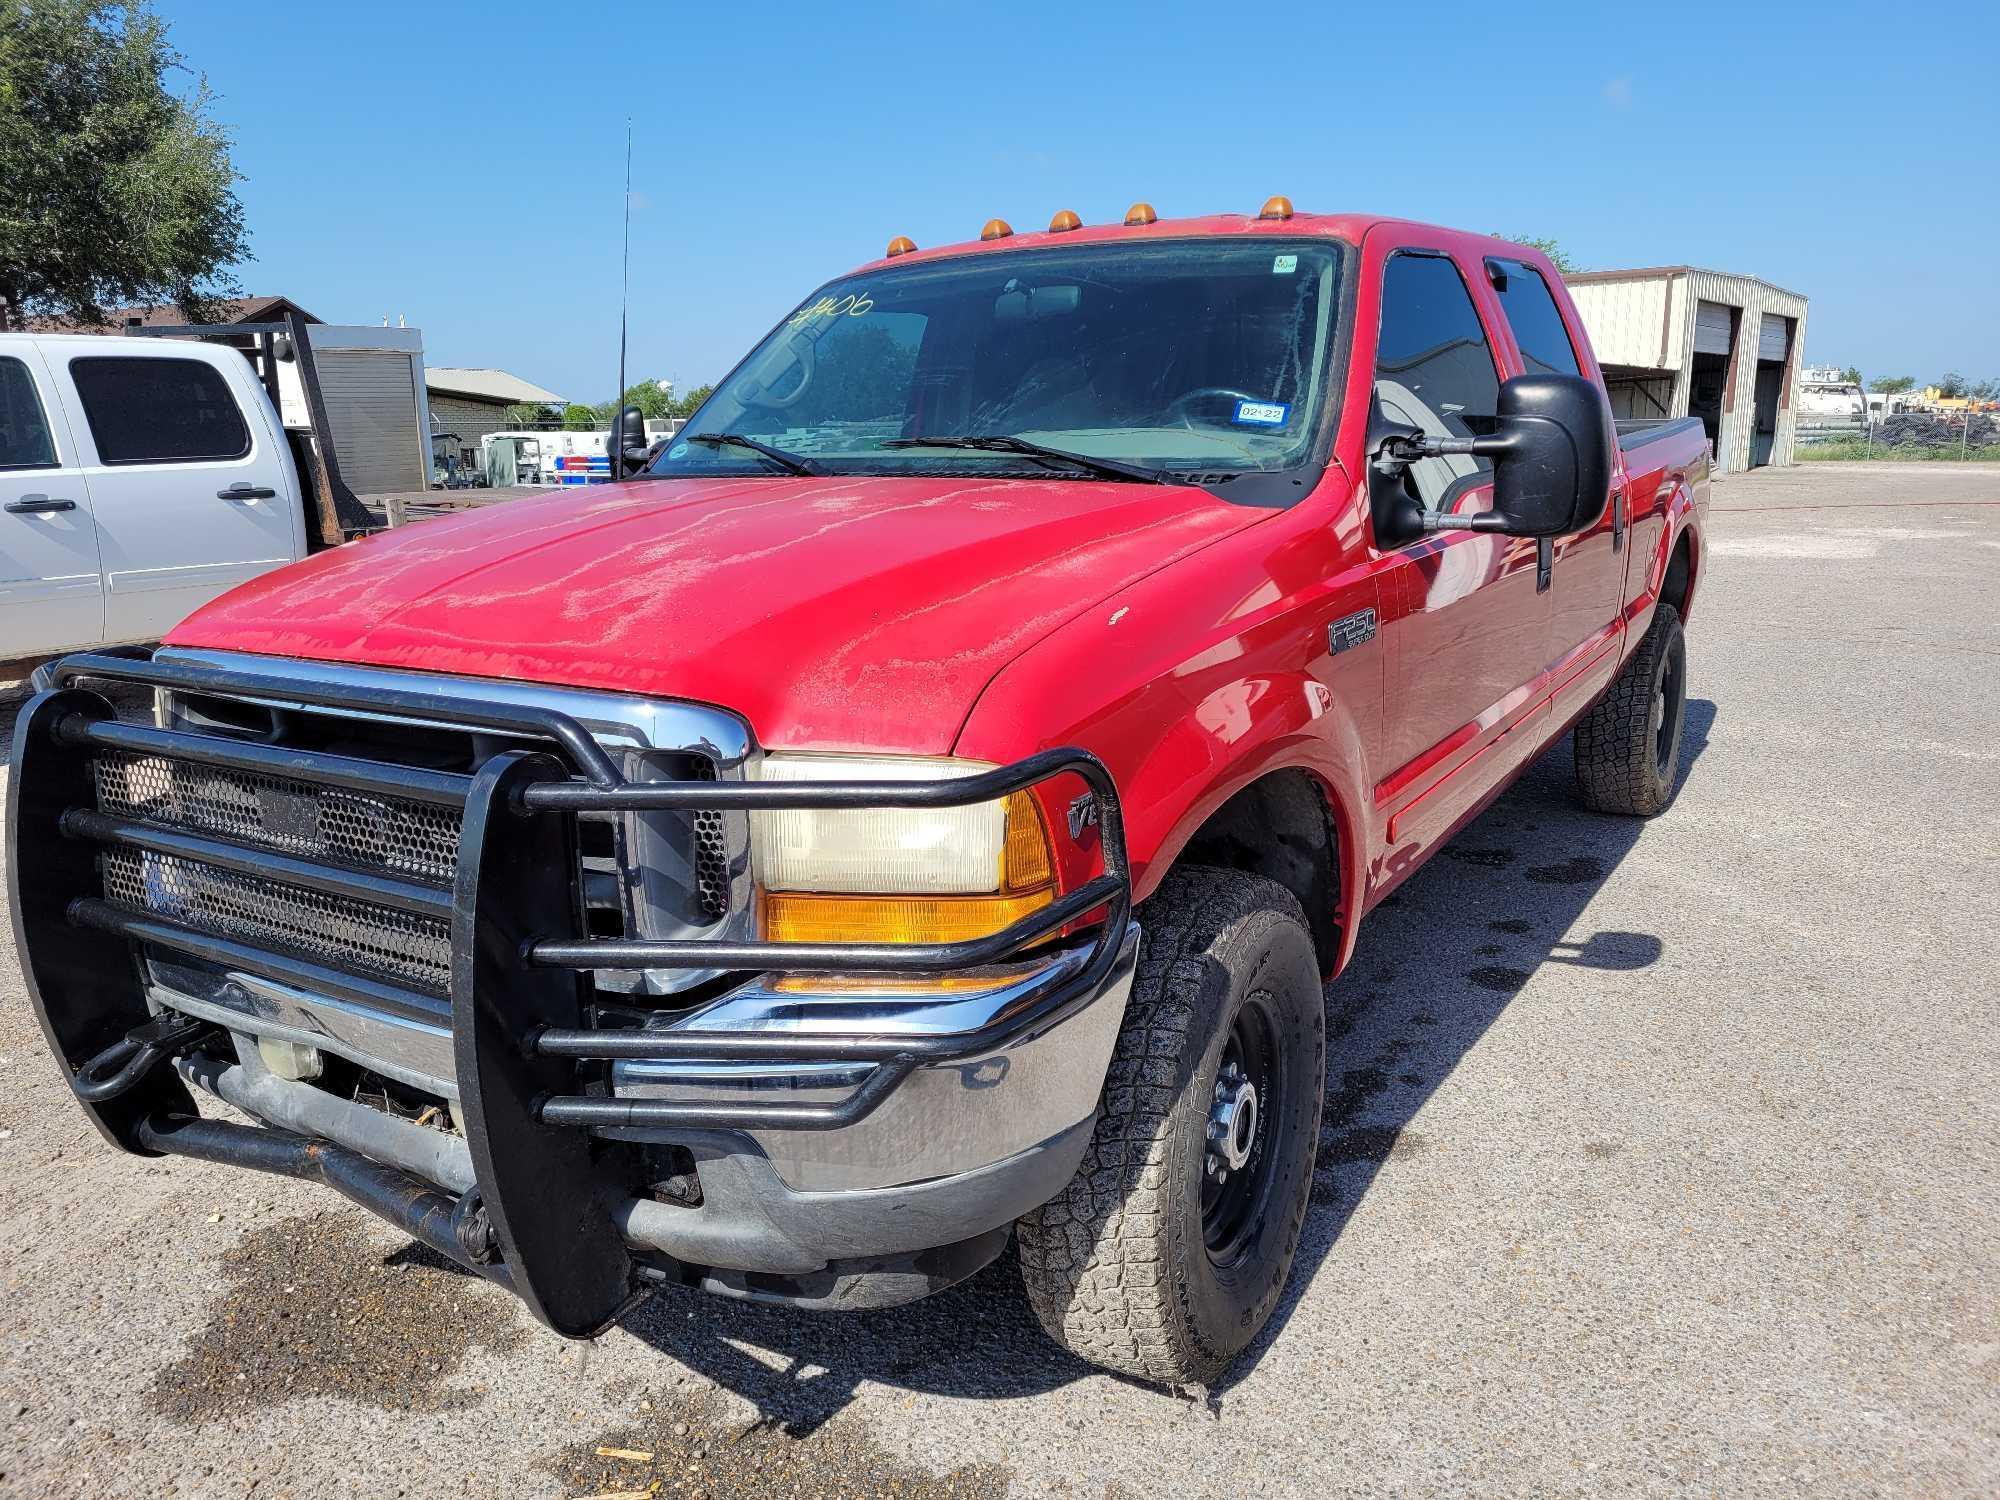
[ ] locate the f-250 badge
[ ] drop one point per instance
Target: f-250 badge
(1350, 631)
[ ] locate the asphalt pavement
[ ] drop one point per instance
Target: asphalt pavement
(1660, 1159)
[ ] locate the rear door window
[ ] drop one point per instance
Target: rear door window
(1531, 314)
(1434, 368)
(159, 411)
(25, 441)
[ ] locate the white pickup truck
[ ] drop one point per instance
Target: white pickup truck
(139, 478)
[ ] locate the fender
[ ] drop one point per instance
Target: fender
(1191, 684)
(1681, 516)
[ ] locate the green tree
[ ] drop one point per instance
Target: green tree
(576, 417)
(1951, 383)
(1550, 248)
(1986, 390)
(1852, 374)
(1889, 385)
(526, 414)
(112, 188)
(686, 405)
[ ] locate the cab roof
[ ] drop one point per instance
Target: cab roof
(1348, 227)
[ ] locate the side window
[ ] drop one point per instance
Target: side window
(1531, 313)
(1433, 368)
(24, 428)
(159, 411)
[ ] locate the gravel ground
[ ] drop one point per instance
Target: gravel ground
(1660, 1159)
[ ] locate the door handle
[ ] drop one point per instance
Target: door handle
(38, 505)
(242, 491)
(1618, 519)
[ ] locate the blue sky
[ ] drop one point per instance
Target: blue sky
(460, 165)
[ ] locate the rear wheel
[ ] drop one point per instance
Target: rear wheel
(1628, 747)
(1169, 1250)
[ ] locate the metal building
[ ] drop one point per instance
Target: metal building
(1679, 341)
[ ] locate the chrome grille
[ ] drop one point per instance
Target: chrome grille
(336, 931)
(416, 839)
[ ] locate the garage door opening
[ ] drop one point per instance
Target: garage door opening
(1774, 347)
(1708, 380)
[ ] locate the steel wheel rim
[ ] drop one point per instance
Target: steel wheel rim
(1233, 1203)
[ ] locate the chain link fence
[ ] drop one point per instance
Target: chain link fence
(1962, 434)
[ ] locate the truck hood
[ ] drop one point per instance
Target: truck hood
(831, 612)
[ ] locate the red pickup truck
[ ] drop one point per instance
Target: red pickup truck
(919, 810)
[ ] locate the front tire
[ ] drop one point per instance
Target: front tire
(1628, 747)
(1168, 1252)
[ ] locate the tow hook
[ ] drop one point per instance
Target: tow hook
(122, 1066)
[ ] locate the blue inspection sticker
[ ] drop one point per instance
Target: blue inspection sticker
(1263, 413)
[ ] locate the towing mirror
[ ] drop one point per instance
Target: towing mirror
(1552, 446)
(627, 443)
(1552, 454)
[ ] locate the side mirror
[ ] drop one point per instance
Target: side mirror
(627, 443)
(1553, 477)
(1553, 448)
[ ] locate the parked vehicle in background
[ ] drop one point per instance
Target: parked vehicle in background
(920, 812)
(139, 479)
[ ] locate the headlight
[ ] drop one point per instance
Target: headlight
(896, 875)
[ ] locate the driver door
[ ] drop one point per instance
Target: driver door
(1466, 618)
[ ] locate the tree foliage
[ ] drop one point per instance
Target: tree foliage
(1561, 260)
(1890, 385)
(656, 401)
(1852, 374)
(1951, 384)
(113, 189)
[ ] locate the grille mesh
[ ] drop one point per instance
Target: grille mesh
(414, 839)
(711, 853)
(352, 936)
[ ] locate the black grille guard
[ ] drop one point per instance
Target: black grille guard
(520, 987)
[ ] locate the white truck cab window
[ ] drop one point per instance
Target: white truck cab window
(154, 411)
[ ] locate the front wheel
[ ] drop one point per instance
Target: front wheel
(1628, 747)
(1169, 1250)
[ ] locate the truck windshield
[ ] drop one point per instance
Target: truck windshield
(1203, 357)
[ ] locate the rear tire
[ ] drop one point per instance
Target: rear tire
(1161, 1259)
(1628, 747)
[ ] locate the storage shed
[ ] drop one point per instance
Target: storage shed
(1679, 341)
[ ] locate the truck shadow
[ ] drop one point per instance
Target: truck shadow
(1437, 964)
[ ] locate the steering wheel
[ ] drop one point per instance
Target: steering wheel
(1177, 408)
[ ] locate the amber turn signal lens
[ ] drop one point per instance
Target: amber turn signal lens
(1140, 213)
(996, 229)
(902, 244)
(1064, 222)
(1276, 207)
(800, 917)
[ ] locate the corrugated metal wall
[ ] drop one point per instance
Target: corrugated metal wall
(371, 404)
(1755, 299)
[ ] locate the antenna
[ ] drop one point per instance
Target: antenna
(624, 300)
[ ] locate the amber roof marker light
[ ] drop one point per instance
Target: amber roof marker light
(1276, 207)
(902, 244)
(1140, 213)
(1064, 221)
(996, 229)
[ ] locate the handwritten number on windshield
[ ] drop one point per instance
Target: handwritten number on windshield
(850, 306)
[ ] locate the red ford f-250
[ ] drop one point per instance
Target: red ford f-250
(919, 809)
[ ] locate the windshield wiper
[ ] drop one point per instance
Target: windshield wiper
(791, 462)
(1103, 468)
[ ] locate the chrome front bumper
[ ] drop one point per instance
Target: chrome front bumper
(946, 1117)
